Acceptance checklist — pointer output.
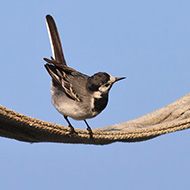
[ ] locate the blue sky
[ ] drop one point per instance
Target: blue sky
(146, 41)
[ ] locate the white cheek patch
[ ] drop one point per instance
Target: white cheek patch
(103, 89)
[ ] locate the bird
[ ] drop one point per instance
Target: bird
(74, 94)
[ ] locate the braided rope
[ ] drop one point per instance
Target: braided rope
(173, 117)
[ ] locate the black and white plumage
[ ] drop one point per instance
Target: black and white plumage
(74, 94)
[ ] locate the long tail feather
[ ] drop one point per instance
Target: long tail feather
(55, 40)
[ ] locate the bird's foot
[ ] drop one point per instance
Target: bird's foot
(90, 132)
(89, 129)
(72, 130)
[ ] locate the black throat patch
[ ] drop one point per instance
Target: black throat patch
(100, 103)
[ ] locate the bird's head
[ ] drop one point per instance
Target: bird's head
(101, 82)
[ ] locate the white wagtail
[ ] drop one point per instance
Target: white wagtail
(75, 94)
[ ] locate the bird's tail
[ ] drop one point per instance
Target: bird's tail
(55, 41)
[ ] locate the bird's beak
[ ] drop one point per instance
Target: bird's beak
(119, 78)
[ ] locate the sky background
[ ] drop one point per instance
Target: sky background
(146, 41)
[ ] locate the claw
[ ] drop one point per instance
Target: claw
(89, 129)
(72, 130)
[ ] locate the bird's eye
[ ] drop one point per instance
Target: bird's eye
(106, 85)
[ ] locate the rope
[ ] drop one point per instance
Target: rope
(171, 118)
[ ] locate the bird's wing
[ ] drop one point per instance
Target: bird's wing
(61, 77)
(55, 40)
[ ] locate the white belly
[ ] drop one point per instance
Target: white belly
(74, 109)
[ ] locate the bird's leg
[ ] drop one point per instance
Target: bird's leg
(72, 130)
(89, 129)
